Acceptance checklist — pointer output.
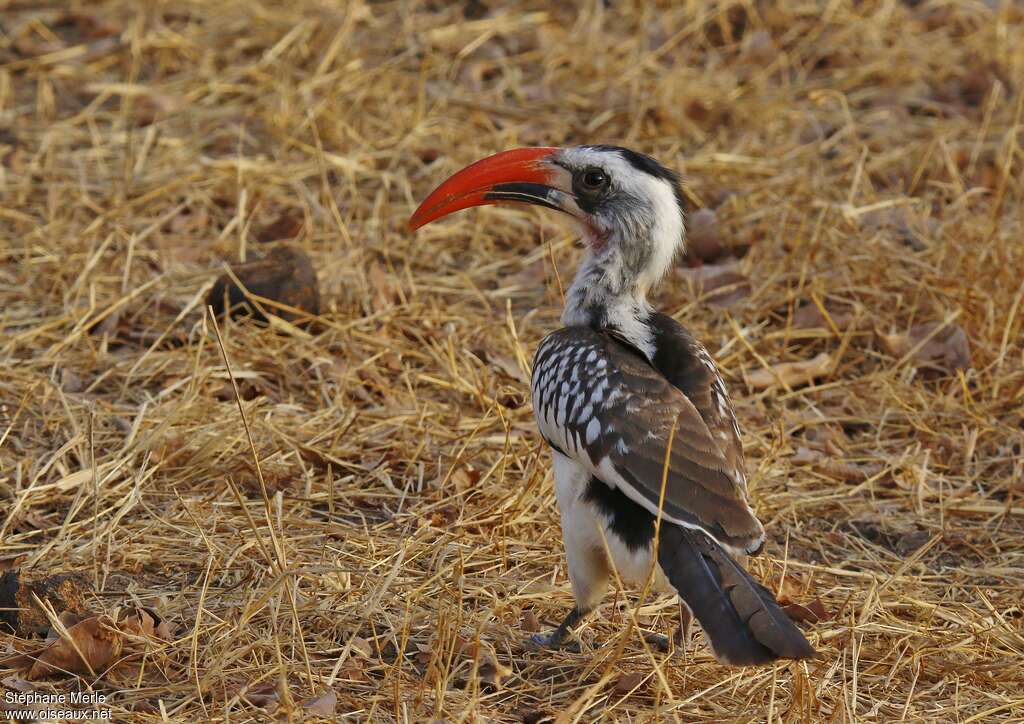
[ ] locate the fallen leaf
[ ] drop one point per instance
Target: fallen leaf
(835, 468)
(424, 653)
(381, 287)
(465, 647)
(90, 643)
(67, 620)
(809, 316)
(263, 694)
(322, 705)
(362, 647)
(190, 221)
(506, 365)
(91, 646)
(530, 623)
(164, 630)
(812, 612)
(186, 248)
(138, 623)
(145, 622)
(899, 225)
(806, 456)
(626, 683)
(352, 670)
(442, 517)
(758, 47)
(901, 541)
(70, 381)
(849, 472)
(531, 276)
(32, 45)
(707, 113)
(16, 683)
(490, 671)
(946, 348)
(721, 285)
(793, 586)
(826, 437)
(792, 374)
(987, 175)
(14, 708)
(154, 105)
(726, 290)
(465, 477)
(287, 225)
(698, 275)
(703, 236)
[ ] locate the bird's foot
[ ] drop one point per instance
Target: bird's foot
(554, 640)
(658, 641)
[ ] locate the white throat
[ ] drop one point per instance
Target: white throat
(602, 295)
(611, 286)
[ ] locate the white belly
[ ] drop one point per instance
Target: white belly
(593, 551)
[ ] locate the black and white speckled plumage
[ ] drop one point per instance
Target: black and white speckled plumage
(602, 404)
(634, 408)
(610, 391)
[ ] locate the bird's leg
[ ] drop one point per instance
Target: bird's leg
(659, 641)
(555, 639)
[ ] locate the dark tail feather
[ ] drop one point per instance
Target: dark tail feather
(741, 618)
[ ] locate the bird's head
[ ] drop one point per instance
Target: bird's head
(629, 206)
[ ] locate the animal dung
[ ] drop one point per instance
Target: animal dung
(282, 283)
(19, 611)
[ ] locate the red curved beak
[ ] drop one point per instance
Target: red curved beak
(516, 176)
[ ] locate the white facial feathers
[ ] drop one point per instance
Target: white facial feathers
(641, 215)
(632, 231)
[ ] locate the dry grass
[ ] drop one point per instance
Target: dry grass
(869, 159)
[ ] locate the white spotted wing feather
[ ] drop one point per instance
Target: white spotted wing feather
(604, 405)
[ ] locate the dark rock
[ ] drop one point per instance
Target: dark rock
(20, 614)
(283, 278)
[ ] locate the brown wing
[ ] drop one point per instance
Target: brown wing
(601, 403)
(686, 364)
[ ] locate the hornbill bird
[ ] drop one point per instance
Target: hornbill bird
(642, 432)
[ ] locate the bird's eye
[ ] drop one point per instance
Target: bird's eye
(593, 179)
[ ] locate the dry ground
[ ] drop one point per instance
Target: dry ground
(866, 160)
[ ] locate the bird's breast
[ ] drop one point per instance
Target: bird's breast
(571, 395)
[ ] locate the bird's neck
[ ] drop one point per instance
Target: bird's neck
(608, 294)
(611, 285)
